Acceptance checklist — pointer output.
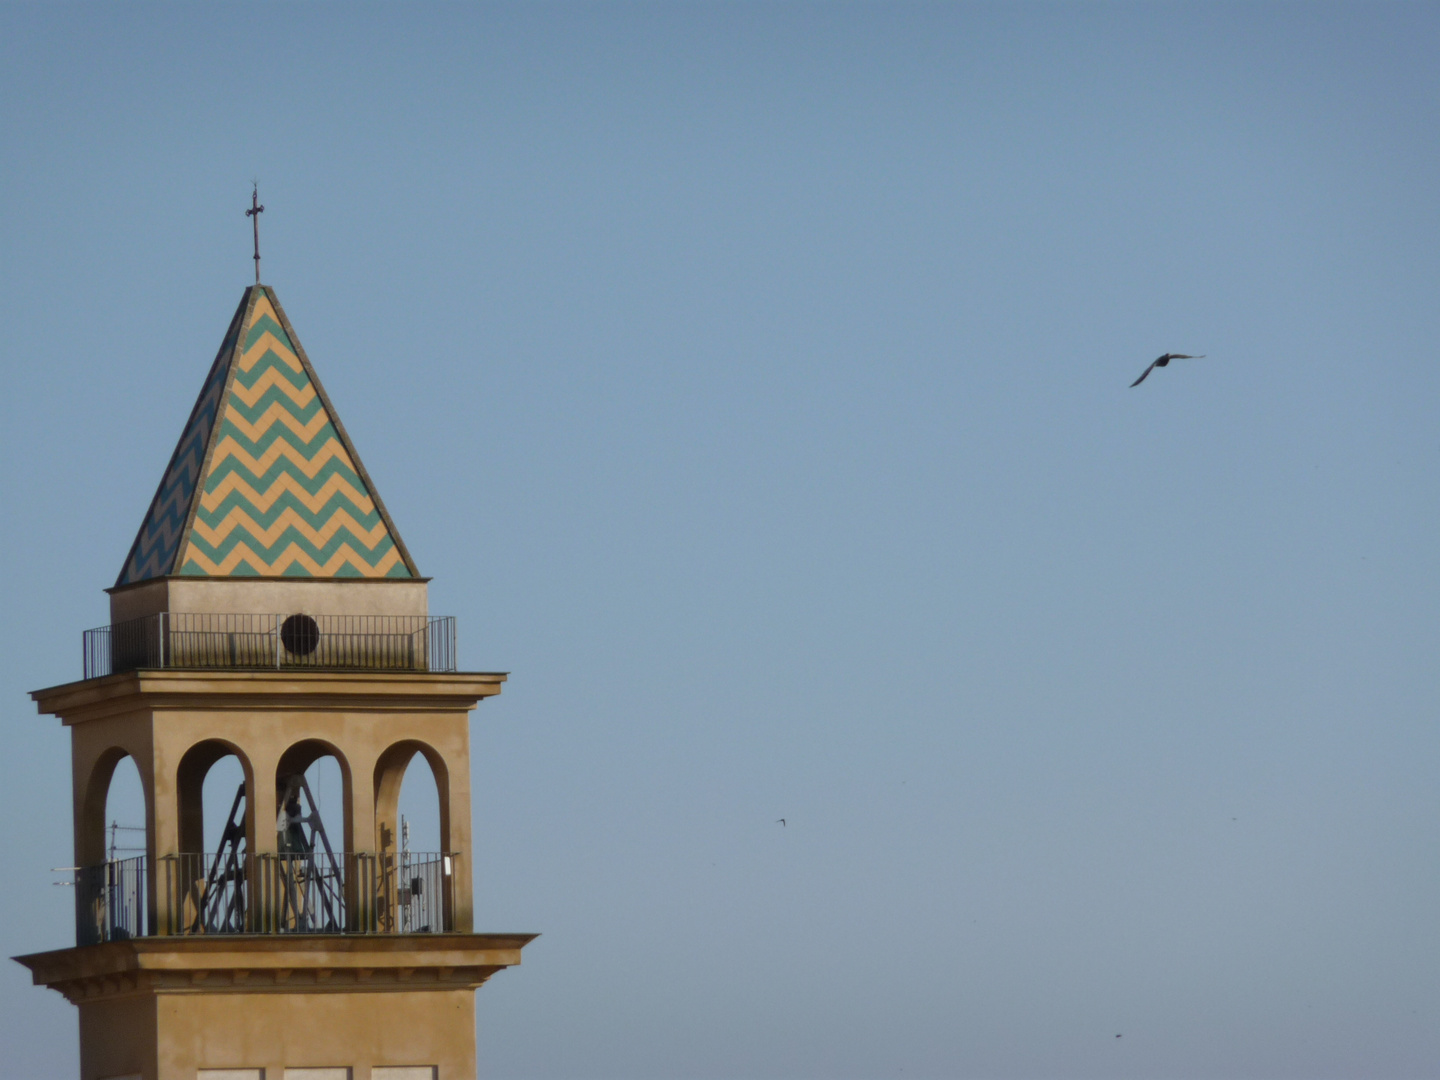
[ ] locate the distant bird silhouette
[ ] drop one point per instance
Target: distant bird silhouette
(781, 822)
(1161, 362)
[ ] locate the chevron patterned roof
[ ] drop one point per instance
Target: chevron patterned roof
(264, 481)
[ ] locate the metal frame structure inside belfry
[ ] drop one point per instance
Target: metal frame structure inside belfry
(219, 907)
(313, 897)
(308, 876)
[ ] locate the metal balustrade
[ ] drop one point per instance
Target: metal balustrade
(306, 893)
(110, 901)
(204, 640)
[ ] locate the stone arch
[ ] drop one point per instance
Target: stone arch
(90, 823)
(390, 773)
(297, 759)
(190, 776)
(414, 894)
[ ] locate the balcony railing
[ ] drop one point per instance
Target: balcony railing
(177, 639)
(110, 901)
(311, 893)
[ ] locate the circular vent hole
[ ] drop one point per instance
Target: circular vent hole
(300, 634)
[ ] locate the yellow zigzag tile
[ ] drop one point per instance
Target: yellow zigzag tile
(229, 448)
(263, 307)
(295, 553)
(288, 518)
(285, 483)
(278, 414)
(269, 343)
(292, 554)
(271, 377)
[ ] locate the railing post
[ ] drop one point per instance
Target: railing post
(257, 893)
(448, 870)
(81, 889)
(165, 903)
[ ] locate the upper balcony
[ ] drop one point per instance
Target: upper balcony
(259, 642)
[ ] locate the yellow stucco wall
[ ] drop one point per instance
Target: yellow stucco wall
(171, 1036)
(262, 596)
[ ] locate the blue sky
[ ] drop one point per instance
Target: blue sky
(753, 380)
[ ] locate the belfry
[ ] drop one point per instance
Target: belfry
(269, 610)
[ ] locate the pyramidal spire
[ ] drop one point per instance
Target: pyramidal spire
(264, 481)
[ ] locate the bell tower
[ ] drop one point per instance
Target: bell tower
(268, 610)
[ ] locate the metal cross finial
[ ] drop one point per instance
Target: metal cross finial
(254, 215)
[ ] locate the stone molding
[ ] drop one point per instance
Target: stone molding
(175, 688)
(288, 964)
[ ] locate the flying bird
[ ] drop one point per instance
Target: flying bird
(780, 821)
(1161, 362)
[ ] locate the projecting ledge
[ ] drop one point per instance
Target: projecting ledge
(287, 963)
(174, 688)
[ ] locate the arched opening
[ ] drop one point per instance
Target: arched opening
(418, 808)
(314, 888)
(208, 880)
(110, 878)
(125, 817)
(318, 776)
(222, 790)
(412, 824)
(113, 793)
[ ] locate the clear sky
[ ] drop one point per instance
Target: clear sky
(753, 380)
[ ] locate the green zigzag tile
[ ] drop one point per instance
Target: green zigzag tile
(253, 413)
(262, 324)
(265, 363)
(282, 467)
(268, 553)
(191, 569)
(265, 518)
(278, 432)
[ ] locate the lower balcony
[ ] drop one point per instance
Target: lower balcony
(309, 893)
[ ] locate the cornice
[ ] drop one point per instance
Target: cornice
(279, 964)
(171, 688)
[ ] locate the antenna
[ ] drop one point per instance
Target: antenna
(407, 887)
(114, 828)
